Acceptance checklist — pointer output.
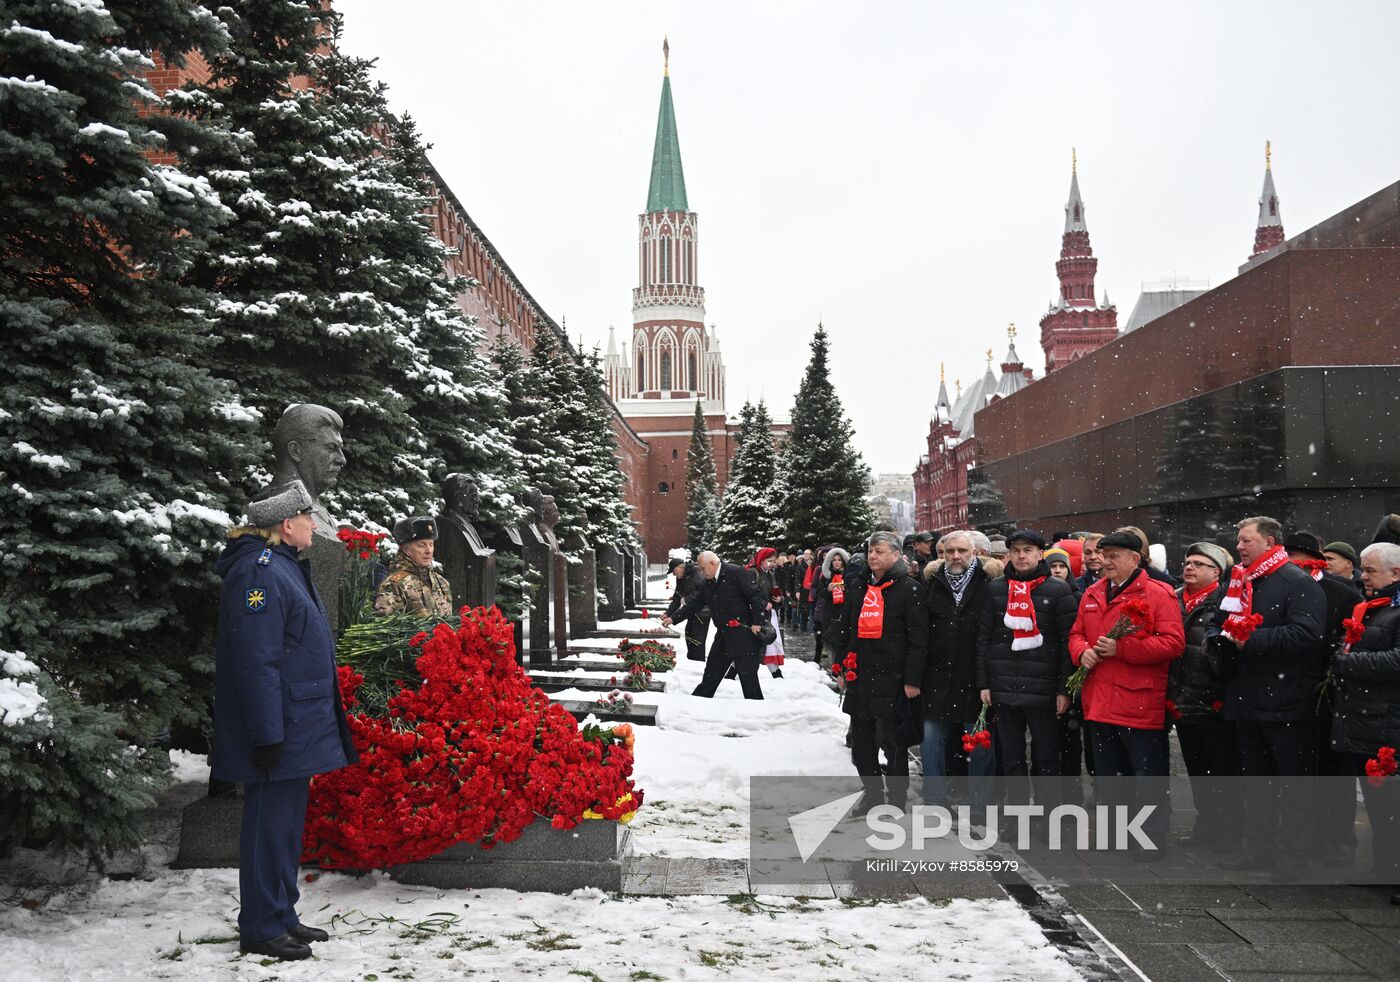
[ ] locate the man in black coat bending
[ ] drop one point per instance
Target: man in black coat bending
(689, 581)
(887, 624)
(738, 610)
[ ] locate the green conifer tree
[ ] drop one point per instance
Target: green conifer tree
(701, 488)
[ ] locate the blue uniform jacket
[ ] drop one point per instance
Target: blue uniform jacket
(274, 677)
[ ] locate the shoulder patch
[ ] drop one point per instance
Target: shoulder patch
(265, 557)
(255, 599)
(397, 577)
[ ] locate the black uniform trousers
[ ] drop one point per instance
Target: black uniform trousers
(1211, 752)
(870, 735)
(719, 662)
(269, 857)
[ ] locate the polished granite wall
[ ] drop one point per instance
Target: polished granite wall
(1315, 447)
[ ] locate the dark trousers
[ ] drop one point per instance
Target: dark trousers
(269, 856)
(1211, 752)
(1012, 724)
(1121, 752)
(1383, 813)
(1280, 751)
(1336, 800)
(695, 630)
(868, 737)
(719, 662)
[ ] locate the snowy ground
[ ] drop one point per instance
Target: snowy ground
(182, 926)
(694, 766)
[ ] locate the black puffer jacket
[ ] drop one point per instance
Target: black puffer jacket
(1368, 685)
(688, 585)
(1197, 680)
(950, 683)
(1035, 676)
(1342, 598)
(885, 665)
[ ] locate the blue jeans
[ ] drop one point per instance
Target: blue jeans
(981, 764)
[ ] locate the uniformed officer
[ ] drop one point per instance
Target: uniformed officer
(278, 718)
(413, 586)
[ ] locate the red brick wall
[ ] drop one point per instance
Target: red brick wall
(1305, 307)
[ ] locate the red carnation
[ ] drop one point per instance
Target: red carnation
(850, 676)
(1171, 708)
(1216, 706)
(418, 639)
(733, 622)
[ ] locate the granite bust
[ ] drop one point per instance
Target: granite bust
(307, 445)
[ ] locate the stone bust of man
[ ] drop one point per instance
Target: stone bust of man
(463, 500)
(307, 446)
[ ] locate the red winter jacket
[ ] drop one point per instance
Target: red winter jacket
(1129, 689)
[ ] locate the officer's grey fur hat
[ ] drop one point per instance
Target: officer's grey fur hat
(273, 506)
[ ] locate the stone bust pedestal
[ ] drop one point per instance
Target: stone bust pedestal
(467, 562)
(539, 550)
(583, 589)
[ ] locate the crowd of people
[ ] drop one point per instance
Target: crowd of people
(1018, 661)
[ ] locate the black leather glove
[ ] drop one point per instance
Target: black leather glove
(265, 757)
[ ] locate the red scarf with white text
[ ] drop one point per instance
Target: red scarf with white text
(872, 611)
(1313, 567)
(838, 588)
(1020, 614)
(1239, 598)
(1193, 600)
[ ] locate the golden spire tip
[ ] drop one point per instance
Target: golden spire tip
(1074, 161)
(941, 376)
(1011, 331)
(1268, 155)
(666, 55)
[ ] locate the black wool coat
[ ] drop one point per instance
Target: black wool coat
(1197, 679)
(1285, 659)
(885, 665)
(736, 606)
(1032, 677)
(950, 692)
(1368, 685)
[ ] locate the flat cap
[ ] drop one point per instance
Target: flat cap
(1121, 540)
(1026, 535)
(273, 506)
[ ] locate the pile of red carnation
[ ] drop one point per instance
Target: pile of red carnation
(358, 541)
(474, 754)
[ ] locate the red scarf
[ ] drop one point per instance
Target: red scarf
(1356, 623)
(838, 590)
(1313, 567)
(1193, 600)
(1239, 598)
(1020, 614)
(872, 611)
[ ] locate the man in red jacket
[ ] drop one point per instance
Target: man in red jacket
(1125, 694)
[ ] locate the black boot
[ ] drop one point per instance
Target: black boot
(284, 948)
(870, 798)
(306, 935)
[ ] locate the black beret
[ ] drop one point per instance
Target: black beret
(1026, 535)
(408, 530)
(1121, 540)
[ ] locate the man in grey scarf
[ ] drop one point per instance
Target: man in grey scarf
(957, 592)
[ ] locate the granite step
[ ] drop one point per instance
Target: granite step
(638, 716)
(556, 683)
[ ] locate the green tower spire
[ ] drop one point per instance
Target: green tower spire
(667, 192)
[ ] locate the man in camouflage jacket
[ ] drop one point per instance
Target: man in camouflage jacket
(413, 586)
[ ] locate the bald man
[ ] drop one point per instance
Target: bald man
(738, 609)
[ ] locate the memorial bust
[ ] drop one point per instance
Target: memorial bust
(307, 446)
(463, 501)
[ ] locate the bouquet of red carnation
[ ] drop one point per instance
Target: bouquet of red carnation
(652, 655)
(1381, 766)
(472, 754)
(1133, 616)
(980, 738)
(845, 670)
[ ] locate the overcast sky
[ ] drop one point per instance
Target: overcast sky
(896, 170)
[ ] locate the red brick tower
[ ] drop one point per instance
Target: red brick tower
(1268, 231)
(1076, 323)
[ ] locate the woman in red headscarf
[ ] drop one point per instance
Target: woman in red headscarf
(762, 566)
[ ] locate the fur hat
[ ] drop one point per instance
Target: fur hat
(273, 506)
(408, 530)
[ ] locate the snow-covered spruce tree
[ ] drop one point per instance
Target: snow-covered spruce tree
(331, 287)
(827, 479)
(701, 488)
(748, 515)
(607, 515)
(117, 449)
